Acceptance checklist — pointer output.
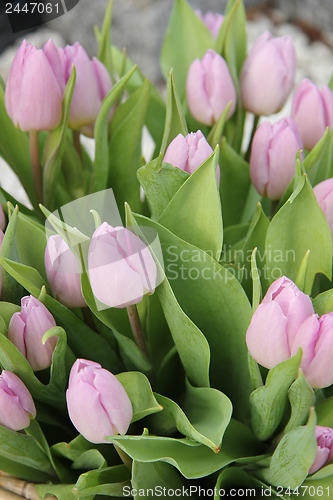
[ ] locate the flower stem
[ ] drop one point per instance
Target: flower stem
(124, 457)
(35, 164)
(256, 119)
(135, 323)
(77, 144)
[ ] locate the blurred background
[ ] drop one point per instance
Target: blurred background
(139, 25)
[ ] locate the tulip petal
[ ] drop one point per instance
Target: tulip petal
(320, 459)
(320, 372)
(196, 92)
(177, 153)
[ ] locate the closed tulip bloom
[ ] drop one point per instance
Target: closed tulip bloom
(209, 88)
(63, 273)
(93, 83)
(16, 404)
(189, 152)
(312, 110)
(268, 73)
(273, 157)
(26, 330)
(33, 96)
(97, 403)
(213, 21)
(324, 455)
(315, 337)
(121, 267)
(2, 219)
(275, 323)
(324, 194)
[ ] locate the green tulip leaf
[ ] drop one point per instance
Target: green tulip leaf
(155, 476)
(160, 182)
(194, 213)
(100, 172)
(55, 144)
(297, 227)
(7, 310)
(140, 393)
(108, 481)
(323, 303)
(175, 122)
(319, 162)
(256, 284)
(293, 456)
(301, 398)
(193, 461)
(186, 39)
(125, 147)
(324, 411)
(104, 45)
(60, 491)
(206, 417)
(269, 402)
(199, 283)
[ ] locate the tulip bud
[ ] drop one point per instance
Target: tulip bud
(189, 152)
(209, 88)
(324, 194)
(26, 330)
(315, 337)
(273, 157)
(16, 403)
(312, 110)
(97, 403)
(63, 273)
(2, 219)
(213, 21)
(324, 455)
(93, 83)
(268, 73)
(33, 96)
(121, 267)
(275, 323)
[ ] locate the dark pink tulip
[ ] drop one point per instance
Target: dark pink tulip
(189, 152)
(312, 110)
(324, 194)
(97, 403)
(273, 157)
(213, 21)
(275, 323)
(26, 330)
(63, 273)
(121, 267)
(324, 455)
(209, 88)
(33, 96)
(16, 404)
(268, 73)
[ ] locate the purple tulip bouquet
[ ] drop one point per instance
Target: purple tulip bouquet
(166, 323)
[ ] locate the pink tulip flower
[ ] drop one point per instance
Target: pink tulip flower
(16, 404)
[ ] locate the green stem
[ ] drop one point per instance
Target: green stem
(254, 128)
(35, 164)
(136, 327)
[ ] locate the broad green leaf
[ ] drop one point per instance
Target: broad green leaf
(256, 285)
(125, 148)
(234, 184)
(155, 476)
(204, 416)
(14, 148)
(217, 305)
(104, 46)
(293, 456)
(108, 481)
(233, 478)
(54, 146)
(193, 461)
(319, 162)
(194, 213)
(100, 172)
(60, 491)
(175, 122)
(299, 226)
(160, 182)
(319, 484)
(324, 411)
(7, 310)
(269, 402)
(21, 471)
(140, 393)
(31, 254)
(186, 39)
(323, 303)
(301, 398)
(303, 269)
